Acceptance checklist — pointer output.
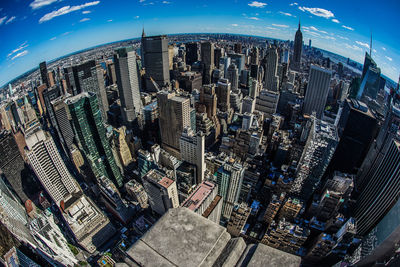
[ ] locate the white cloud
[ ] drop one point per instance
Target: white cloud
(52, 39)
(110, 20)
(362, 44)
(86, 12)
(316, 30)
(294, 4)
(316, 11)
(354, 47)
(272, 28)
(11, 19)
(136, 17)
(281, 25)
(286, 14)
(84, 19)
(347, 27)
(22, 46)
(253, 18)
(383, 48)
(342, 37)
(2, 20)
(65, 10)
(21, 54)
(166, 2)
(389, 58)
(65, 33)
(374, 50)
(141, 1)
(257, 4)
(234, 25)
(335, 20)
(41, 3)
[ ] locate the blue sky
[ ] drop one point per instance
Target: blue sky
(35, 30)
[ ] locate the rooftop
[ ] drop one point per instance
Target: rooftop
(196, 198)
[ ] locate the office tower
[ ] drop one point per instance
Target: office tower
(382, 188)
(239, 216)
(61, 123)
(370, 79)
(190, 81)
(267, 102)
(217, 56)
(49, 167)
(209, 99)
(43, 73)
(86, 118)
(202, 199)
(357, 129)
(318, 151)
(192, 148)
(111, 73)
(233, 77)
(155, 60)
(192, 53)
(161, 190)
(320, 248)
(286, 236)
(170, 56)
(236, 100)
(273, 208)
(223, 92)
(382, 241)
(309, 43)
(317, 91)
(15, 257)
(12, 165)
(254, 55)
(248, 105)
(13, 215)
(271, 78)
(229, 179)
(297, 50)
(207, 59)
(122, 147)
(175, 239)
(128, 84)
(51, 78)
(174, 117)
(238, 60)
(145, 162)
(51, 240)
(89, 226)
(88, 77)
(136, 191)
(237, 47)
(291, 209)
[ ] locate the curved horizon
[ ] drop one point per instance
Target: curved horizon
(45, 30)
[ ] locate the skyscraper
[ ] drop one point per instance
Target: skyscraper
(233, 76)
(229, 179)
(161, 190)
(318, 151)
(378, 180)
(207, 59)
(155, 59)
(317, 91)
(192, 53)
(43, 73)
(89, 226)
(223, 92)
(298, 47)
(88, 77)
(192, 148)
(271, 67)
(12, 165)
(128, 84)
(86, 118)
(174, 117)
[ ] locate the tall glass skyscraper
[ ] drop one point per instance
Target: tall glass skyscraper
(86, 118)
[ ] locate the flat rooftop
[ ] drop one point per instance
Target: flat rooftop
(198, 196)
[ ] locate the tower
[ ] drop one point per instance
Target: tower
(128, 84)
(91, 135)
(317, 91)
(43, 73)
(192, 148)
(271, 68)
(298, 47)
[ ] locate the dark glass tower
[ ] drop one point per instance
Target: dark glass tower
(86, 118)
(298, 47)
(43, 73)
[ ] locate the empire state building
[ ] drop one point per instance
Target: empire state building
(298, 46)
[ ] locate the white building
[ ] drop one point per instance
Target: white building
(192, 148)
(267, 102)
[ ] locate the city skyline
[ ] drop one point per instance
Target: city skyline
(58, 27)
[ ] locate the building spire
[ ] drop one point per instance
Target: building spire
(143, 34)
(299, 25)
